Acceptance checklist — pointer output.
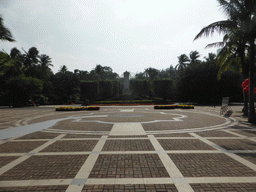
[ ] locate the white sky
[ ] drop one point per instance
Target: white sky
(127, 35)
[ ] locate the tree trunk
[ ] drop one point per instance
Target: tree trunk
(245, 74)
(251, 118)
(245, 109)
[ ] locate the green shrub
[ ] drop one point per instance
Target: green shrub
(163, 88)
(105, 89)
(21, 89)
(139, 87)
(116, 88)
(89, 90)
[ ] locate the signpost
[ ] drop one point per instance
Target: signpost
(225, 109)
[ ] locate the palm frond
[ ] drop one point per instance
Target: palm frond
(216, 44)
(219, 26)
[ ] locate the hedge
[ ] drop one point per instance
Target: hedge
(105, 89)
(139, 87)
(89, 90)
(163, 88)
(116, 88)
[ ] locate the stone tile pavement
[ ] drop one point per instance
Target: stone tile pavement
(159, 150)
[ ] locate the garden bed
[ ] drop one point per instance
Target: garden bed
(77, 108)
(174, 107)
(132, 102)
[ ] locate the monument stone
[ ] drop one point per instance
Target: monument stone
(126, 82)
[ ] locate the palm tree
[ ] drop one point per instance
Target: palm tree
(5, 34)
(99, 71)
(11, 65)
(233, 57)
(30, 60)
(152, 73)
(194, 55)
(45, 63)
(211, 59)
(241, 18)
(63, 69)
(183, 63)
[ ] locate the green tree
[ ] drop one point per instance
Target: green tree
(45, 62)
(21, 89)
(241, 18)
(151, 73)
(5, 34)
(31, 61)
(194, 61)
(11, 65)
(183, 63)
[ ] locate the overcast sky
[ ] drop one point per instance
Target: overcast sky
(127, 35)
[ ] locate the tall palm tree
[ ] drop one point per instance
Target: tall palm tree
(152, 73)
(183, 63)
(45, 63)
(11, 65)
(241, 18)
(5, 34)
(194, 61)
(31, 60)
(233, 57)
(63, 69)
(99, 71)
(211, 59)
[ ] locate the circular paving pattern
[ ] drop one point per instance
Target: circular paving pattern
(129, 149)
(155, 122)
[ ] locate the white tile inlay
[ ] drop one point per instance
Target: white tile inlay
(127, 129)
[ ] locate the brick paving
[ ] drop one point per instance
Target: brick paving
(217, 133)
(70, 146)
(224, 187)
(210, 165)
(248, 156)
(128, 136)
(131, 188)
(181, 144)
(246, 132)
(20, 113)
(128, 145)
(235, 144)
(128, 166)
(39, 135)
(5, 160)
(173, 135)
(168, 157)
(60, 188)
(20, 147)
(46, 167)
(83, 126)
(81, 136)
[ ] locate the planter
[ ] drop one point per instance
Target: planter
(174, 107)
(76, 108)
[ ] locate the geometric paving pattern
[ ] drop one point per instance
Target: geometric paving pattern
(210, 165)
(128, 145)
(46, 167)
(20, 147)
(130, 188)
(128, 166)
(224, 187)
(181, 144)
(60, 188)
(199, 152)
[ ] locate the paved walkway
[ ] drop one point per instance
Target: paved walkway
(126, 149)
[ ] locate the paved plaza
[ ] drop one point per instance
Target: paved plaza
(131, 148)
